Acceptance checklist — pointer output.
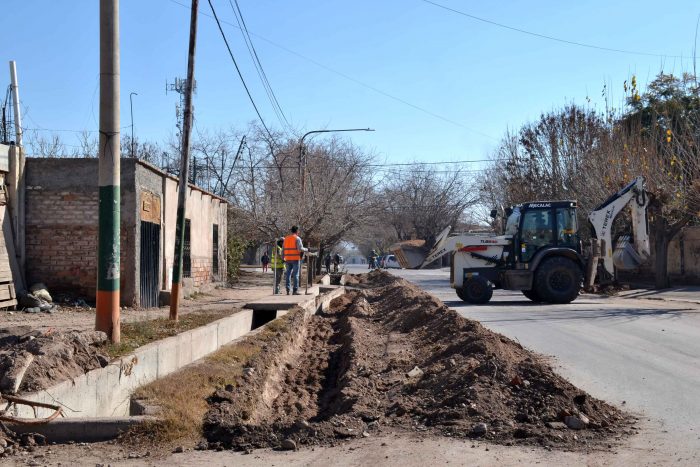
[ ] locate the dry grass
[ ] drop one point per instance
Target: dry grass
(182, 395)
(135, 335)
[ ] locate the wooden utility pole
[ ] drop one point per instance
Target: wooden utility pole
(107, 318)
(184, 166)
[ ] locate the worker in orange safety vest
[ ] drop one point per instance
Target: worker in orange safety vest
(293, 250)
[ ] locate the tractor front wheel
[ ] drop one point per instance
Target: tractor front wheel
(558, 280)
(476, 290)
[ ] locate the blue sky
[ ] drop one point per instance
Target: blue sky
(480, 78)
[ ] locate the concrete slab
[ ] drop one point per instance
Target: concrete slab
(282, 302)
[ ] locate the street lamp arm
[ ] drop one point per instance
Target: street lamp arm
(302, 162)
(332, 131)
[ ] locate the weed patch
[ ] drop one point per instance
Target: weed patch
(135, 335)
(182, 396)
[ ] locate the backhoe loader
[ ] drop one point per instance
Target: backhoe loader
(540, 252)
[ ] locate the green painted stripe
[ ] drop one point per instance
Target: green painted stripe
(108, 239)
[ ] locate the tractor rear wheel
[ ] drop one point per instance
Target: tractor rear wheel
(532, 295)
(558, 280)
(476, 290)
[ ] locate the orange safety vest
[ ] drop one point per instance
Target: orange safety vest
(290, 248)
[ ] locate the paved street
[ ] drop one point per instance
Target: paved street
(640, 354)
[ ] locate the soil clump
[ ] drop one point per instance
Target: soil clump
(393, 358)
(35, 360)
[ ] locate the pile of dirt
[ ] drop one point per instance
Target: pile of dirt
(35, 360)
(373, 279)
(393, 357)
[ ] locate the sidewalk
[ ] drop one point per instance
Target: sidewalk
(688, 294)
(251, 286)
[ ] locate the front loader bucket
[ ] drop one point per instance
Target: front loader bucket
(409, 254)
(625, 257)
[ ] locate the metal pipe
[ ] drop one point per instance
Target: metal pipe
(131, 108)
(302, 160)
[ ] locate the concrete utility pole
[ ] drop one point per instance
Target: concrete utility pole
(107, 318)
(184, 166)
(14, 85)
(16, 188)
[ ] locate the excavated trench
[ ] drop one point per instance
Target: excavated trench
(391, 357)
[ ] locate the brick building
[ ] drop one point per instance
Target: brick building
(61, 230)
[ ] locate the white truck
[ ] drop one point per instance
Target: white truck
(540, 252)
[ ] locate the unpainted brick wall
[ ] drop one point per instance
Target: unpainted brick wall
(201, 271)
(61, 241)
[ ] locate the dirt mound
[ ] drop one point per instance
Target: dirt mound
(372, 279)
(395, 357)
(34, 360)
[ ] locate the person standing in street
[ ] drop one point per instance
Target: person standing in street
(277, 263)
(265, 260)
(293, 251)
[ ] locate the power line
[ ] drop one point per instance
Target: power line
(551, 38)
(354, 80)
(238, 70)
(258, 65)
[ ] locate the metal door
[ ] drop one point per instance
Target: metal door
(150, 264)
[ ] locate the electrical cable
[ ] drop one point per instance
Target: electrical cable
(551, 38)
(238, 70)
(258, 64)
(356, 81)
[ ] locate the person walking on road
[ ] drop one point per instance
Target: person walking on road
(327, 260)
(293, 251)
(265, 260)
(278, 263)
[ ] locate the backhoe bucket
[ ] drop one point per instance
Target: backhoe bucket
(625, 257)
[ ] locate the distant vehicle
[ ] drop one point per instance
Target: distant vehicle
(391, 262)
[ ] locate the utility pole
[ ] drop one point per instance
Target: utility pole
(107, 318)
(184, 165)
(14, 85)
(17, 185)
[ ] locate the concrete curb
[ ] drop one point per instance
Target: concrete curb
(87, 430)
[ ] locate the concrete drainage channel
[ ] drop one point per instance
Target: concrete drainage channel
(97, 405)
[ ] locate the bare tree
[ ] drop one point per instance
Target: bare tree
(421, 202)
(41, 146)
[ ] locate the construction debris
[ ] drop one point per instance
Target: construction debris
(343, 374)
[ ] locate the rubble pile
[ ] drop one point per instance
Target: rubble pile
(12, 443)
(35, 360)
(391, 358)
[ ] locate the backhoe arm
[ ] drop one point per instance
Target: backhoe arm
(625, 255)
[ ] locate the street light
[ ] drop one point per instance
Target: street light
(131, 107)
(302, 160)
